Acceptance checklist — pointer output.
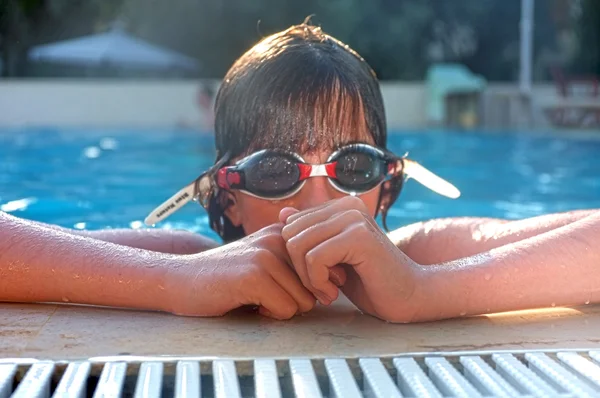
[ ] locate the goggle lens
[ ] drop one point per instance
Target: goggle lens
(359, 171)
(271, 175)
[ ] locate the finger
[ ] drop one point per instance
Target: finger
(271, 240)
(338, 275)
(339, 249)
(286, 212)
(303, 278)
(283, 269)
(278, 303)
(346, 202)
(302, 220)
(265, 312)
(285, 277)
(325, 292)
(316, 276)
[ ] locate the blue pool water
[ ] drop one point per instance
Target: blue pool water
(112, 178)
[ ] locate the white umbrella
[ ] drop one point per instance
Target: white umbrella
(114, 48)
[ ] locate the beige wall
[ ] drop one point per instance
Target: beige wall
(121, 103)
(98, 104)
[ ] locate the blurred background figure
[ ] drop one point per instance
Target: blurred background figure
(206, 98)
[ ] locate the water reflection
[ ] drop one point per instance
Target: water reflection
(17, 205)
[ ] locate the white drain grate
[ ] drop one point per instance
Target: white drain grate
(465, 374)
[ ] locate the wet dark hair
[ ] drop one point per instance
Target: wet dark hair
(296, 90)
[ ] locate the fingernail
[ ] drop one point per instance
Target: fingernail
(265, 312)
(286, 213)
(335, 278)
(323, 299)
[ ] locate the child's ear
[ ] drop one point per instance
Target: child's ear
(233, 211)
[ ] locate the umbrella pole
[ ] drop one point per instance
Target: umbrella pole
(526, 58)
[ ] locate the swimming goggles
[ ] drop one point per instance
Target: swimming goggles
(275, 175)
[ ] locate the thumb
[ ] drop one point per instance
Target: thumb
(286, 212)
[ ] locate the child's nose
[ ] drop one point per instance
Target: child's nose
(315, 192)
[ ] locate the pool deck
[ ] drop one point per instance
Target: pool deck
(61, 332)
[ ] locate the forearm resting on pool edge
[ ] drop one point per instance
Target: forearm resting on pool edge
(40, 264)
(158, 240)
(456, 238)
(560, 267)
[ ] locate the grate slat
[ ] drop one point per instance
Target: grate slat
(377, 381)
(341, 381)
(36, 383)
(523, 378)
(7, 374)
(266, 380)
(413, 382)
(225, 379)
(449, 380)
(149, 383)
(484, 378)
(111, 380)
(586, 368)
(552, 372)
(304, 379)
(187, 380)
(595, 355)
(73, 384)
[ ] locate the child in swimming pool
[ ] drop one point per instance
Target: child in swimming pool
(300, 174)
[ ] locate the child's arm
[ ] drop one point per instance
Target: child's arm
(159, 240)
(555, 268)
(43, 264)
(40, 263)
(454, 238)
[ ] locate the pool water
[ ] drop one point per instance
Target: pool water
(96, 179)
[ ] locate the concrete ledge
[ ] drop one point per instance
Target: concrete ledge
(59, 332)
